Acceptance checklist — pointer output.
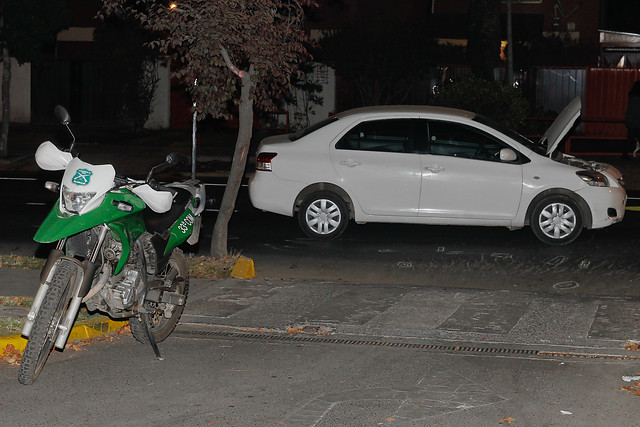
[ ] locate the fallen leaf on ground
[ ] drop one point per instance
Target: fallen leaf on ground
(74, 347)
(632, 389)
(124, 329)
(632, 346)
(507, 420)
(11, 355)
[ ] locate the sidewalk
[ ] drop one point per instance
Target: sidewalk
(424, 317)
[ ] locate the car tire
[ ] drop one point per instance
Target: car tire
(323, 215)
(557, 220)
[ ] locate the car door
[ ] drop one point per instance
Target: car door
(377, 164)
(463, 176)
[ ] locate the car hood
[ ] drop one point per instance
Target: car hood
(561, 125)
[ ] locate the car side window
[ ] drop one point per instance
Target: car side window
(391, 135)
(458, 140)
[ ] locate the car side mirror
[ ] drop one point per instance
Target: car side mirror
(508, 155)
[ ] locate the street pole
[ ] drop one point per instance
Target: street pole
(193, 137)
(509, 46)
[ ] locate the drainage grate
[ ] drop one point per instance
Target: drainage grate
(435, 347)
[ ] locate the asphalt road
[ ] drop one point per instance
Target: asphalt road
(601, 262)
(239, 382)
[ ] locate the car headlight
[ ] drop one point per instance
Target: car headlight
(593, 178)
(75, 202)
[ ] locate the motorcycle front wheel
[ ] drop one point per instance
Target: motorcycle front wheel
(45, 326)
(163, 319)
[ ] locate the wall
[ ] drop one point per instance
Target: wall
(324, 76)
(160, 116)
(606, 101)
(20, 92)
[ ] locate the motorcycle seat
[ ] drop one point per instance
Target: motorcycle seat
(160, 222)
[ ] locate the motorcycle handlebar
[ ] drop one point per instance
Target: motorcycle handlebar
(120, 180)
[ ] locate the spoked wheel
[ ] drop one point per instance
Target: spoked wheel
(557, 220)
(323, 216)
(45, 326)
(164, 316)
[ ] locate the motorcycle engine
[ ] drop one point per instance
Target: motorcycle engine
(121, 291)
(122, 294)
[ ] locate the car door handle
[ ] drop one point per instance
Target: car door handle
(434, 168)
(350, 163)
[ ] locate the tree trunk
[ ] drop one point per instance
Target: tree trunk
(245, 119)
(6, 102)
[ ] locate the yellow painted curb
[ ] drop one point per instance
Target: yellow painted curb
(80, 331)
(633, 208)
(243, 269)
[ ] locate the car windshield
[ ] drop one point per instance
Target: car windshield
(306, 131)
(538, 148)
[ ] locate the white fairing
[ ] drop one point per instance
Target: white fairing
(51, 158)
(157, 201)
(202, 197)
(84, 178)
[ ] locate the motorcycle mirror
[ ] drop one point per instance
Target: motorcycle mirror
(62, 114)
(173, 159)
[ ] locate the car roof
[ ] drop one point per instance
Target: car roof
(406, 109)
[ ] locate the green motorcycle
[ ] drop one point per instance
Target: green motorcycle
(117, 252)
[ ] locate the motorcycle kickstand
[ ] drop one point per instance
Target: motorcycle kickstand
(152, 340)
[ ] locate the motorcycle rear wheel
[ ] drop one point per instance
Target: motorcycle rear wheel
(45, 326)
(162, 326)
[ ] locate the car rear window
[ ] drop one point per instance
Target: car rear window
(309, 129)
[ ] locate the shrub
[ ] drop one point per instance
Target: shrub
(496, 100)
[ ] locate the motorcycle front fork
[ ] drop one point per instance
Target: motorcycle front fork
(81, 286)
(45, 278)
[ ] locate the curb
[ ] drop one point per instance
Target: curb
(81, 331)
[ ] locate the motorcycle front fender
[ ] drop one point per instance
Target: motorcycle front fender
(58, 225)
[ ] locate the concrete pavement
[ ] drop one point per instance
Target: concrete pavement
(440, 319)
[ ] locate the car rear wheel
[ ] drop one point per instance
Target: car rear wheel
(557, 220)
(323, 215)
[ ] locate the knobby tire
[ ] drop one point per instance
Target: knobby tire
(161, 327)
(43, 333)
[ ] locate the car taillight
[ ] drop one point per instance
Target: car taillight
(263, 161)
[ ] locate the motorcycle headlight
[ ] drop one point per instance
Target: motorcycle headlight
(593, 178)
(75, 202)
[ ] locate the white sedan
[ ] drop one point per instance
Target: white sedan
(430, 165)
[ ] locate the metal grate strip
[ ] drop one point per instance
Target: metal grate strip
(182, 331)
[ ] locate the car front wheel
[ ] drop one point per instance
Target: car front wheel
(557, 220)
(323, 215)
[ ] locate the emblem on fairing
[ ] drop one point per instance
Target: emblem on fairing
(82, 177)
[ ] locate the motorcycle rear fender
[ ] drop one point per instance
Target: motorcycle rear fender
(58, 225)
(182, 228)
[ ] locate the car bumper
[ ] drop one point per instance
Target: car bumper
(607, 205)
(269, 193)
